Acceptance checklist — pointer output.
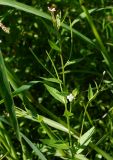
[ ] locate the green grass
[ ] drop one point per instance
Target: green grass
(56, 83)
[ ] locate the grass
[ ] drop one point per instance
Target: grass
(56, 81)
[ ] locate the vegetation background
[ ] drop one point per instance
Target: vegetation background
(56, 80)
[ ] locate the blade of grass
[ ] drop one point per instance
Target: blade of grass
(35, 149)
(3, 157)
(6, 142)
(39, 13)
(98, 38)
(83, 37)
(15, 83)
(6, 94)
(2, 119)
(8, 99)
(26, 96)
(38, 60)
(52, 123)
(22, 89)
(103, 153)
(25, 8)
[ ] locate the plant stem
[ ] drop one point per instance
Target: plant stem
(69, 130)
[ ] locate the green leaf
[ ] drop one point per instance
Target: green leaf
(68, 63)
(55, 93)
(54, 80)
(25, 87)
(56, 143)
(5, 92)
(80, 157)
(90, 92)
(39, 119)
(54, 124)
(85, 139)
(35, 149)
(54, 46)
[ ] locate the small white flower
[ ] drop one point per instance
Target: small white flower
(51, 9)
(70, 97)
(0, 41)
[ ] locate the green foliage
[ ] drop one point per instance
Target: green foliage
(56, 80)
(6, 94)
(37, 152)
(55, 93)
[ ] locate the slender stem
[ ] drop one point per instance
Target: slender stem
(23, 150)
(69, 125)
(63, 72)
(54, 69)
(37, 59)
(71, 32)
(61, 57)
(69, 130)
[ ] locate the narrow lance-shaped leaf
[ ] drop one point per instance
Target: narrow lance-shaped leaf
(6, 94)
(59, 144)
(35, 149)
(85, 139)
(55, 93)
(54, 46)
(25, 87)
(54, 80)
